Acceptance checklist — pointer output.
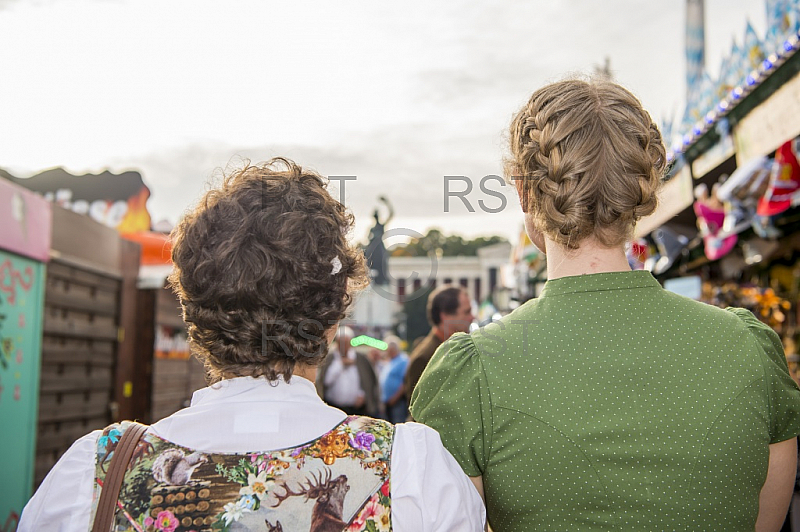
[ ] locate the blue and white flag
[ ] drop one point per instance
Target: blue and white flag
(737, 66)
(775, 26)
(695, 44)
(753, 48)
(783, 21)
(708, 98)
(775, 9)
(793, 19)
(724, 81)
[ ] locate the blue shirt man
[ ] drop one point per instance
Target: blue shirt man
(392, 382)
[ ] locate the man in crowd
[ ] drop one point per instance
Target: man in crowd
(449, 312)
(347, 380)
(392, 386)
(377, 357)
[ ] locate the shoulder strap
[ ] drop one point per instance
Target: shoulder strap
(106, 507)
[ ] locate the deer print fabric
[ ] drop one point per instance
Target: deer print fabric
(338, 482)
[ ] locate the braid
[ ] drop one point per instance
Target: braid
(591, 160)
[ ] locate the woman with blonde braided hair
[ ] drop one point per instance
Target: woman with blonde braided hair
(608, 403)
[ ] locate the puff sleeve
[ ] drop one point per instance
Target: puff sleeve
(453, 398)
(781, 391)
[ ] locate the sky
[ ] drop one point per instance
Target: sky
(397, 94)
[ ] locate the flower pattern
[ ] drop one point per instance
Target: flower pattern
(249, 501)
(384, 521)
(257, 485)
(166, 521)
(375, 515)
(234, 511)
(243, 484)
(363, 441)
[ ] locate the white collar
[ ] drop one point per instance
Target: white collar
(248, 389)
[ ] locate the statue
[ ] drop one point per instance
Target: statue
(377, 259)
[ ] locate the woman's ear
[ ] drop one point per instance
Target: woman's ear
(536, 236)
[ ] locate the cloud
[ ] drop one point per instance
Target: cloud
(501, 52)
(408, 164)
(398, 94)
(4, 4)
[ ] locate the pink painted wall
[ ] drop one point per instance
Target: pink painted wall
(25, 222)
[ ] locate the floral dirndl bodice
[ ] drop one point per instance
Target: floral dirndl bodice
(338, 482)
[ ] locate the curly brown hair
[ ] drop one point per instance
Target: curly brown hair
(255, 268)
(591, 160)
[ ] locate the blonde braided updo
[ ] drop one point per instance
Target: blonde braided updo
(590, 159)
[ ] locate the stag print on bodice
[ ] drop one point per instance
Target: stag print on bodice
(338, 482)
(329, 496)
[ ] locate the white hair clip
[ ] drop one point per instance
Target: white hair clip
(337, 265)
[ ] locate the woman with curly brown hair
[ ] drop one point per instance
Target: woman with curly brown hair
(608, 403)
(264, 272)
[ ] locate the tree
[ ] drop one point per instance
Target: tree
(434, 242)
(450, 246)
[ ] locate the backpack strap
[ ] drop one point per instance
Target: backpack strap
(106, 507)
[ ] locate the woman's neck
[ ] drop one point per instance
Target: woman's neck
(305, 371)
(591, 257)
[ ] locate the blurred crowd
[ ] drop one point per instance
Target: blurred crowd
(375, 382)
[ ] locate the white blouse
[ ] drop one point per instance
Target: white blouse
(429, 489)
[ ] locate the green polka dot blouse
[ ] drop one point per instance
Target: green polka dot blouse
(609, 403)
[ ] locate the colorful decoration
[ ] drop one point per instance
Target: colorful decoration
(637, 253)
(13, 280)
(710, 217)
(783, 18)
(754, 51)
(740, 194)
(764, 303)
(784, 184)
(743, 70)
(727, 79)
(342, 476)
(21, 307)
(767, 305)
(156, 247)
(764, 226)
(115, 200)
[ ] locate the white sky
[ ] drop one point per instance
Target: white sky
(398, 94)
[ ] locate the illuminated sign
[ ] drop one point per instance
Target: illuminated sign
(115, 200)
